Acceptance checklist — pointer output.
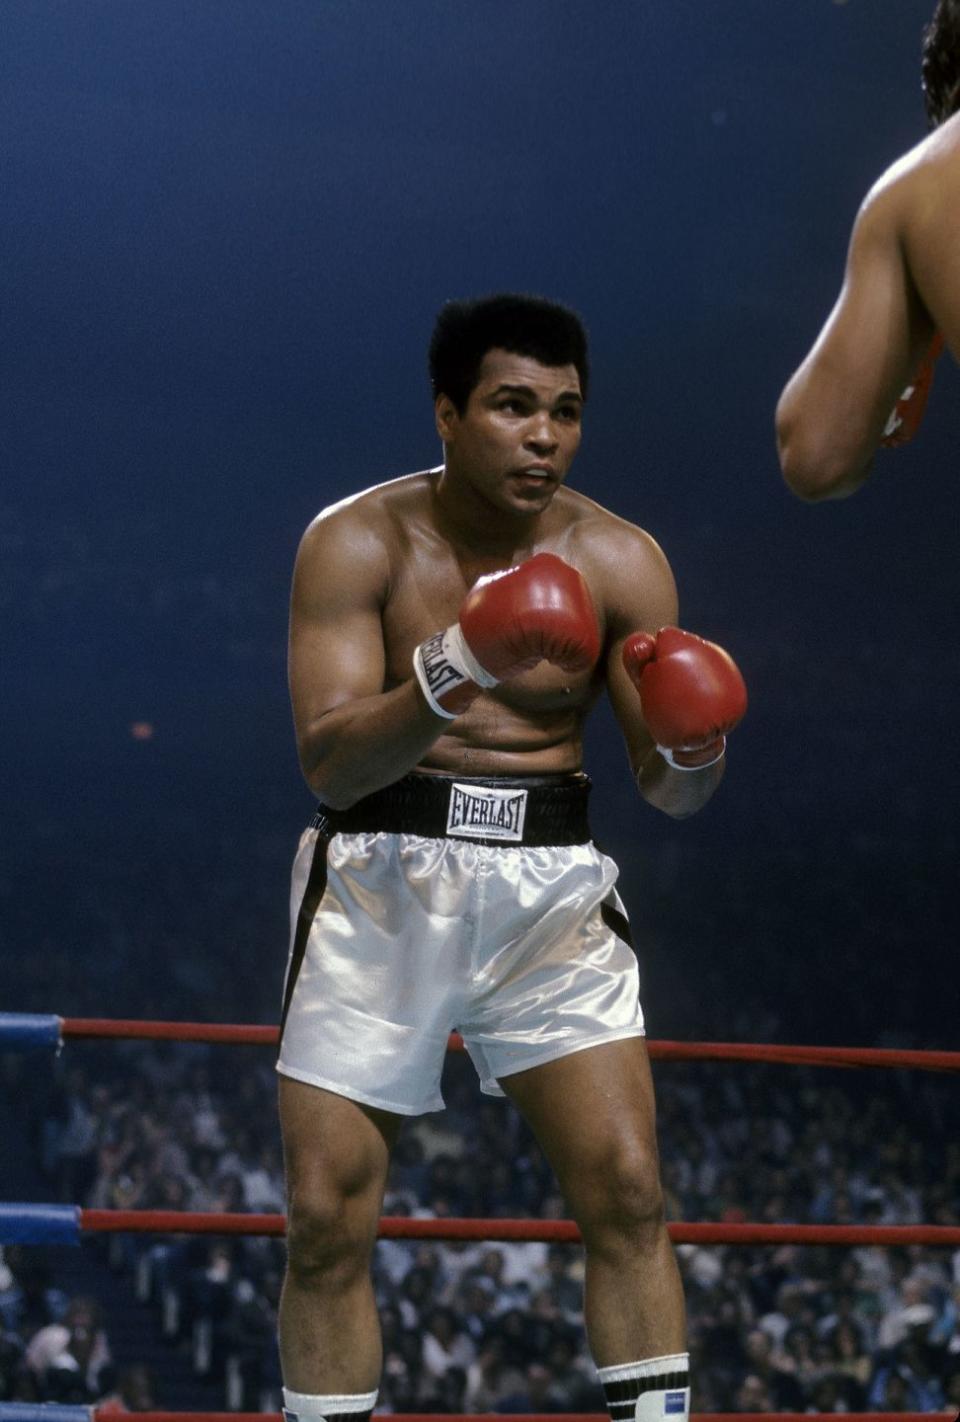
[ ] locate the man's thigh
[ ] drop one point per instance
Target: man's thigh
(590, 1110)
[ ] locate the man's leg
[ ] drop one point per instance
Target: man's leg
(593, 1114)
(336, 1154)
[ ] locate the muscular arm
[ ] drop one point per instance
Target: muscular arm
(352, 736)
(642, 596)
(902, 283)
(831, 415)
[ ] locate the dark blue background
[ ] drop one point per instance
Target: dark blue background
(225, 233)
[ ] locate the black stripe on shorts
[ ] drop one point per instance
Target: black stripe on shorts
(312, 894)
(617, 922)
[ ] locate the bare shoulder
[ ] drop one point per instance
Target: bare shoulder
(922, 185)
(353, 542)
(938, 152)
(370, 515)
(916, 203)
(368, 521)
(628, 572)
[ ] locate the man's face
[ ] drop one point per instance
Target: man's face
(517, 437)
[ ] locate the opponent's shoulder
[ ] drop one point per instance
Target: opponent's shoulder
(908, 222)
(936, 155)
(924, 180)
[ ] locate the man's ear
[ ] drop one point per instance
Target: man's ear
(446, 416)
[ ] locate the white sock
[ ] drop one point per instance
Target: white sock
(650, 1390)
(327, 1407)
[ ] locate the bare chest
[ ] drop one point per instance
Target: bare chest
(425, 595)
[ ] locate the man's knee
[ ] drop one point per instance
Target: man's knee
(618, 1196)
(329, 1238)
(336, 1155)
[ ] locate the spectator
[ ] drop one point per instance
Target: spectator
(69, 1360)
(781, 1384)
(133, 1392)
(753, 1395)
(850, 1362)
(11, 1364)
(489, 1378)
(446, 1344)
(537, 1394)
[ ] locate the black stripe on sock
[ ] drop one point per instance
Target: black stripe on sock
(627, 1390)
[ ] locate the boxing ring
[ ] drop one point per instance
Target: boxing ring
(60, 1224)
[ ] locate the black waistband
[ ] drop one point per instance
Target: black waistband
(554, 811)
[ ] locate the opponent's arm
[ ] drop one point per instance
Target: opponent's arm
(678, 775)
(834, 410)
(352, 736)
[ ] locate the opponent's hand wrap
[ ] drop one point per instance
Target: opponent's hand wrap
(907, 413)
(444, 662)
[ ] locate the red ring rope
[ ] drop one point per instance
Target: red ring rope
(107, 1415)
(552, 1231)
(103, 1028)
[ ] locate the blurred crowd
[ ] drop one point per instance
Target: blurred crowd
(185, 919)
(499, 1327)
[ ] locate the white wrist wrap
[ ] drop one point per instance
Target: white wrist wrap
(443, 662)
(667, 754)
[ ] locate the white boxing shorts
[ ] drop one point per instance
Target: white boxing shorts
(444, 903)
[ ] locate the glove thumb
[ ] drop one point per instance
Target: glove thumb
(638, 650)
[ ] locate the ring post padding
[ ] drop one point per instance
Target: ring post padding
(28, 1031)
(40, 1224)
(44, 1412)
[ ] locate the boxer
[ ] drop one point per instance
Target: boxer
(866, 381)
(450, 632)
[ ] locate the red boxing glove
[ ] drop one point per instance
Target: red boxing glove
(907, 413)
(540, 610)
(691, 692)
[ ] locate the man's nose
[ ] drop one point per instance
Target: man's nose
(541, 433)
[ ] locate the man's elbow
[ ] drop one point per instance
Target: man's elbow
(332, 788)
(336, 791)
(333, 796)
(815, 469)
(810, 481)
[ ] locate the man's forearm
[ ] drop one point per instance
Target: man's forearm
(678, 793)
(365, 744)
